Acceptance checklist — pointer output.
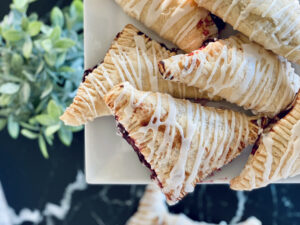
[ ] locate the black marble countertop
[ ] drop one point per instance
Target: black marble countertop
(46, 187)
(54, 191)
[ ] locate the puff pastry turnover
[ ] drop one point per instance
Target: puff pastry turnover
(152, 210)
(179, 141)
(277, 155)
(179, 21)
(275, 24)
(239, 71)
(132, 57)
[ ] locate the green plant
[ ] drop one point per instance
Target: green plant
(40, 70)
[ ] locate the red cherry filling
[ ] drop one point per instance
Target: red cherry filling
(268, 124)
(87, 72)
(142, 159)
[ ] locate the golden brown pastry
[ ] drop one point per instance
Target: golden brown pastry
(277, 155)
(152, 210)
(179, 141)
(275, 24)
(179, 21)
(132, 57)
(239, 71)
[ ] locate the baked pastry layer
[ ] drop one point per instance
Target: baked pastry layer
(133, 57)
(179, 21)
(277, 155)
(275, 24)
(152, 210)
(239, 71)
(180, 141)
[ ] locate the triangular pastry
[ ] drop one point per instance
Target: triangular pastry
(277, 155)
(179, 21)
(180, 141)
(272, 23)
(239, 71)
(132, 57)
(152, 210)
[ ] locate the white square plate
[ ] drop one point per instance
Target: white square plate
(108, 158)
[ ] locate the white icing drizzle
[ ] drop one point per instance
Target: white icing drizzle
(268, 143)
(284, 20)
(138, 65)
(152, 210)
(207, 129)
(287, 165)
(247, 84)
(172, 11)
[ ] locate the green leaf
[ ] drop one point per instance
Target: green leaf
(50, 58)
(33, 16)
(25, 92)
(75, 129)
(57, 17)
(34, 28)
(19, 4)
(47, 90)
(66, 69)
(28, 126)
(2, 124)
(46, 120)
(27, 48)
(13, 127)
(65, 136)
(47, 45)
(28, 75)
(49, 139)
(5, 100)
(76, 9)
(40, 67)
(53, 109)
(5, 112)
(45, 29)
(64, 43)
(55, 34)
(43, 147)
(29, 134)
(9, 88)
(52, 129)
(12, 35)
(61, 59)
(24, 23)
(79, 6)
(32, 121)
(16, 61)
(12, 78)
(41, 106)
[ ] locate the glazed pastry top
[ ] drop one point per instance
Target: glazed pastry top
(179, 21)
(133, 57)
(239, 71)
(277, 155)
(275, 24)
(179, 138)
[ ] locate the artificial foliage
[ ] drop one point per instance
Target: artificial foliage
(41, 65)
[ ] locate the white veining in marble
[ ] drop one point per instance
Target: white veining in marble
(242, 199)
(9, 217)
(60, 211)
(153, 209)
(106, 196)
(4, 209)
